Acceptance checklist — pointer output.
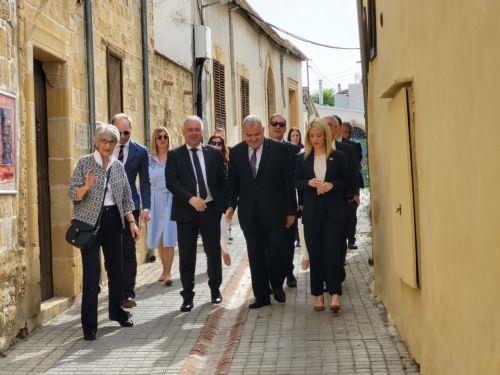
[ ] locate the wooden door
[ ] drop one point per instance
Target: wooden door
(42, 163)
(403, 209)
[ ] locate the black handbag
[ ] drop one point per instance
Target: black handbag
(83, 235)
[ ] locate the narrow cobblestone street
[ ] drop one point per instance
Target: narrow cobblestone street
(283, 339)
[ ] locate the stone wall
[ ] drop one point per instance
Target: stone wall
(54, 33)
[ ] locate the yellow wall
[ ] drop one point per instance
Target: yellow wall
(451, 48)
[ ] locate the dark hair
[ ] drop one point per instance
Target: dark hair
(338, 119)
(274, 115)
(223, 150)
(289, 136)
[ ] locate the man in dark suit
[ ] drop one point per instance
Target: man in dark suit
(261, 185)
(353, 185)
(196, 176)
(352, 220)
(135, 158)
(277, 129)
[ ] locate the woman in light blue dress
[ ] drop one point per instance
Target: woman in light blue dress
(162, 232)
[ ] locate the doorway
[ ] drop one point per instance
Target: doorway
(42, 161)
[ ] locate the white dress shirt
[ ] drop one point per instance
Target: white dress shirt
(116, 151)
(201, 158)
(259, 155)
(109, 199)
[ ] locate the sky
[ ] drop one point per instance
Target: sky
(332, 22)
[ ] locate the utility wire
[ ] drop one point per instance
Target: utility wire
(295, 36)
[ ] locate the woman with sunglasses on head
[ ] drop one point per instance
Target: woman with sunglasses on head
(295, 137)
(217, 140)
(102, 197)
(162, 232)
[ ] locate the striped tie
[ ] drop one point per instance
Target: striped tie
(253, 163)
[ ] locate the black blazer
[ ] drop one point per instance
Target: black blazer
(353, 171)
(138, 164)
(293, 153)
(272, 192)
(336, 173)
(181, 181)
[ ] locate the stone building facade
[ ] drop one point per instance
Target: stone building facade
(43, 65)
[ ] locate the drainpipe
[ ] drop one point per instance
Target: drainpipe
(145, 69)
(89, 38)
(235, 137)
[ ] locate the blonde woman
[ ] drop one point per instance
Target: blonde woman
(162, 232)
(321, 175)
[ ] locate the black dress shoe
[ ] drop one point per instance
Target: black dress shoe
(257, 303)
(351, 246)
(187, 306)
(216, 297)
(279, 295)
(126, 323)
(90, 336)
(291, 281)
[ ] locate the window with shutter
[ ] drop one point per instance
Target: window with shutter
(219, 94)
(245, 98)
(115, 90)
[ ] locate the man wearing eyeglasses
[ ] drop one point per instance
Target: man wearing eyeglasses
(277, 129)
(134, 157)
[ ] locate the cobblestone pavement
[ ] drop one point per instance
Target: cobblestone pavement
(279, 339)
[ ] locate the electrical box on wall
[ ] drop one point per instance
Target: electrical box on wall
(202, 42)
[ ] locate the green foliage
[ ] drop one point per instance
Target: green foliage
(328, 98)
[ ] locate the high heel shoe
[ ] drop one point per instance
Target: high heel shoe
(319, 307)
(335, 307)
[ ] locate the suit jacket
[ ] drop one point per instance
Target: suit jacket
(271, 192)
(293, 153)
(138, 164)
(336, 173)
(353, 172)
(358, 158)
(180, 179)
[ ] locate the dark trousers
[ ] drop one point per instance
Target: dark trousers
(325, 255)
(110, 238)
(267, 254)
(207, 223)
(291, 234)
(352, 221)
(129, 260)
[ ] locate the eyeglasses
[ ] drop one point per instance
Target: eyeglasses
(280, 124)
(162, 137)
(213, 143)
(126, 132)
(107, 142)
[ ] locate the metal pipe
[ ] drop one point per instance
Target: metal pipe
(199, 94)
(145, 69)
(89, 38)
(235, 137)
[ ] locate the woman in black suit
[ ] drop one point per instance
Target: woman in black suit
(322, 175)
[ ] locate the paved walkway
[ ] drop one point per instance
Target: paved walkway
(282, 339)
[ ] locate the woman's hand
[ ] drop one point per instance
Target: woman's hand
(90, 179)
(314, 182)
(324, 187)
(135, 231)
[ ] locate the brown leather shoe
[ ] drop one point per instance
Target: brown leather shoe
(128, 303)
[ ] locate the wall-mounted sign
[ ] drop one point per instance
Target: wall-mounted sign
(8, 152)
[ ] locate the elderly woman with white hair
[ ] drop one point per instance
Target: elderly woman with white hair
(101, 197)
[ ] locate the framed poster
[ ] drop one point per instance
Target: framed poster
(8, 150)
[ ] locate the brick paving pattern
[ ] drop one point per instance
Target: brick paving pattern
(279, 339)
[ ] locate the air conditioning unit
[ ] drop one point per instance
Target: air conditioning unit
(202, 42)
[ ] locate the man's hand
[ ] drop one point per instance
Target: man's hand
(324, 187)
(314, 182)
(290, 219)
(229, 215)
(198, 204)
(146, 215)
(355, 200)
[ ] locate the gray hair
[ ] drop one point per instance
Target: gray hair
(348, 124)
(273, 116)
(121, 116)
(194, 118)
(331, 118)
(106, 129)
(252, 119)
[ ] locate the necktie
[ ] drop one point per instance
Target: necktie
(253, 163)
(202, 189)
(120, 154)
